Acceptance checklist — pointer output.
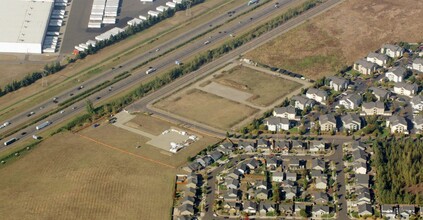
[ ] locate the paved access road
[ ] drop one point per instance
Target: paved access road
(163, 62)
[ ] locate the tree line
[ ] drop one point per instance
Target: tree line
(398, 163)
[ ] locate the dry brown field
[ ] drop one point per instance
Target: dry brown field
(70, 177)
(342, 35)
(206, 108)
(265, 88)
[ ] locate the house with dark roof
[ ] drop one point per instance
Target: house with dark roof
(373, 108)
(389, 211)
(186, 209)
(298, 145)
(316, 146)
(231, 195)
(302, 102)
(417, 64)
(365, 210)
(250, 207)
(396, 74)
(286, 209)
(358, 145)
(397, 124)
(247, 146)
(205, 161)
(318, 164)
(338, 83)
(406, 211)
(317, 95)
(320, 197)
(363, 196)
(380, 93)
(327, 122)
(226, 147)
(252, 163)
(216, 155)
(288, 112)
(266, 207)
(392, 51)
(282, 146)
(402, 88)
(291, 176)
(418, 123)
(277, 177)
(319, 210)
(263, 145)
(377, 58)
(274, 123)
(351, 101)
(360, 167)
(234, 174)
(363, 180)
(417, 103)
(364, 67)
(232, 183)
(262, 194)
(193, 167)
(188, 200)
(321, 183)
(289, 193)
(351, 122)
(272, 163)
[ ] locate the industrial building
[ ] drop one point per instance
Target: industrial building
(24, 24)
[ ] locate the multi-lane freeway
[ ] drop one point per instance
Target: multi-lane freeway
(163, 62)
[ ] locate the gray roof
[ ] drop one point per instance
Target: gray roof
(357, 145)
(278, 174)
(378, 104)
(364, 208)
(317, 162)
(227, 145)
(250, 204)
(246, 143)
(395, 120)
(406, 86)
(350, 118)
(282, 143)
(378, 56)
(379, 91)
(321, 207)
(362, 179)
(418, 120)
(216, 155)
(321, 195)
(398, 71)
(354, 98)
(263, 142)
(337, 80)
(288, 109)
(360, 155)
(392, 47)
(286, 207)
(388, 208)
(303, 100)
(410, 209)
(266, 205)
(418, 61)
(273, 120)
(317, 92)
(297, 143)
(418, 99)
(186, 207)
(289, 175)
(366, 64)
(327, 118)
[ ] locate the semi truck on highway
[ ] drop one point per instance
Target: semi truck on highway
(252, 2)
(11, 141)
(42, 125)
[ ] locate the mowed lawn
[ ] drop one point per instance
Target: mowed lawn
(337, 38)
(206, 108)
(69, 177)
(265, 88)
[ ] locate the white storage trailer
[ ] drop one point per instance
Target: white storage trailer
(11, 141)
(43, 125)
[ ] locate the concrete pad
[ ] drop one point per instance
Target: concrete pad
(226, 92)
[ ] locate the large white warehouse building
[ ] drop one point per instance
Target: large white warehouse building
(23, 25)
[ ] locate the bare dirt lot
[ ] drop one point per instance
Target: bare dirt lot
(342, 35)
(70, 177)
(265, 88)
(206, 108)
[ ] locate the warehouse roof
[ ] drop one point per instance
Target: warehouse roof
(24, 21)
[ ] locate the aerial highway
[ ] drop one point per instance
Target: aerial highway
(181, 54)
(126, 65)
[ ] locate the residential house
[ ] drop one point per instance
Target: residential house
(262, 194)
(365, 210)
(360, 167)
(417, 103)
(291, 176)
(363, 180)
(205, 161)
(417, 64)
(338, 83)
(289, 193)
(216, 155)
(247, 146)
(263, 145)
(272, 163)
(252, 164)
(301, 206)
(319, 210)
(282, 146)
(320, 197)
(373, 108)
(288, 112)
(277, 177)
(261, 184)
(232, 207)
(193, 167)
(351, 101)
(190, 191)
(378, 58)
(316, 173)
(396, 74)
(234, 174)
(288, 183)
(192, 180)
(406, 89)
(360, 156)
(302, 102)
(321, 183)
(389, 211)
(232, 183)
(274, 123)
(327, 122)
(226, 148)
(298, 145)
(318, 164)
(351, 122)
(266, 207)
(186, 209)
(380, 93)
(317, 95)
(286, 209)
(243, 168)
(397, 124)
(358, 145)
(295, 163)
(418, 123)
(250, 207)
(188, 200)
(316, 146)
(392, 51)
(364, 67)
(231, 195)
(184, 217)
(406, 211)
(363, 196)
